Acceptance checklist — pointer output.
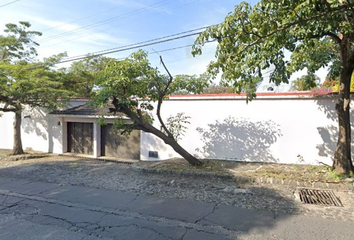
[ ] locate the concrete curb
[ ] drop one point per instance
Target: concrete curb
(103, 159)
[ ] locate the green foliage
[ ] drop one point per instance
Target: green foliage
(254, 38)
(18, 43)
(23, 79)
(118, 123)
(135, 87)
(102, 121)
(135, 84)
(128, 80)
(305, 83)
(80, 77)
(216, 89)
(190, 84)
(121, 124)
(338, 176)
(177, 125)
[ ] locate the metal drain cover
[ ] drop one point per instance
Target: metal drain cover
(319, 197)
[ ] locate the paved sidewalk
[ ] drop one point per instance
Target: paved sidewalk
(38, 210)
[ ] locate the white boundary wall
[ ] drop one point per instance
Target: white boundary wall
(276, 127)
(40, 130)
(284, 128)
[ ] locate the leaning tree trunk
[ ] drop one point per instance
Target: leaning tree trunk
(342, 157)
(180, 150)
(17, 147)
(141, 124)
(173, 143)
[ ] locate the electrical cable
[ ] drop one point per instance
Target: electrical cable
(148, 41)
(9, 3)
(121, 58)
(125, 49)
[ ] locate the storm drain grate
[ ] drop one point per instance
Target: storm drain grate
(319, 197)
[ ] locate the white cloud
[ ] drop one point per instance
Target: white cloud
(58, 25)
(101, 39)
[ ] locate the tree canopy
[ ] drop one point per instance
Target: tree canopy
(135, 88)
(305, 83)
(315, 34)
(80, 77)
(252, 39)
(23, 79)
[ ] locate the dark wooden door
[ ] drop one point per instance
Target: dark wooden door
(114, 144)
(80, 137)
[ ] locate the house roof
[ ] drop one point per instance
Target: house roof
(88, 110)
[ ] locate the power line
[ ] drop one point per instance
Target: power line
(168, 37)
(133, 46)
(163, 50)
(154, 52)
(105, 21)
(170, 49)
(9, 3)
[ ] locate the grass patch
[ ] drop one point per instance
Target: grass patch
(339, 177)
(181, 165)
(251, 170)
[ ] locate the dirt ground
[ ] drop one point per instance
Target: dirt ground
(287, 172)
(281, 172)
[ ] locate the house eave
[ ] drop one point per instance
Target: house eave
(89, 116)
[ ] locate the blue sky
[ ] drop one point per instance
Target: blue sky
(80, 27)
(86, 26)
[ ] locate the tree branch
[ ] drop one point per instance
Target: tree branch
(168, 72)
(334, 37)
(160, 100)
(329, 34)
(140, 114)
(15, 106)
(137, 119)
(8, 110)
(327, 4)
(4, 99)
(301, 20)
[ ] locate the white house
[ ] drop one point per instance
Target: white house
(293, 127)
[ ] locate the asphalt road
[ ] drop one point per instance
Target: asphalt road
(38, 210)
